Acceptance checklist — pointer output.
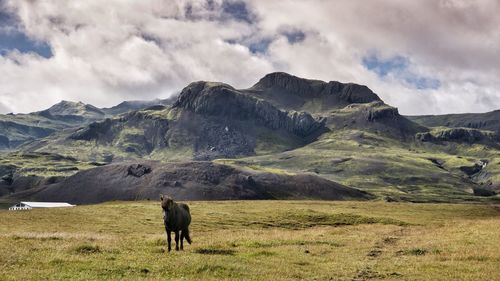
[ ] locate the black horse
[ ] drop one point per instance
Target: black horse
(177, 218)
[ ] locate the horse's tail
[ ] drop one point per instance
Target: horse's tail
(186, 235)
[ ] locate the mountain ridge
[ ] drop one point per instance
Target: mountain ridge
(276, 88)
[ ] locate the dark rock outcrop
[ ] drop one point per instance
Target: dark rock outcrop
(7, 173)
(484, 191)
(93, 131)
(138, 170)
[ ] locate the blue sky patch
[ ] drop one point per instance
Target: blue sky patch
(11, 38)
(399, 67)
(238, 10)
(19, 41)
(229, 10)
(260, 46)
(295, 36)
(385, 66)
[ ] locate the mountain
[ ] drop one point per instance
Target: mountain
(19, 129)
(283, 125)
(208, 121)
(73, 111)
(127, 106)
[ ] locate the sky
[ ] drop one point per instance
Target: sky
(424, 57)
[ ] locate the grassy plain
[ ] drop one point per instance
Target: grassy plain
(255, 240)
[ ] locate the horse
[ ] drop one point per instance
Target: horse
(176, 217)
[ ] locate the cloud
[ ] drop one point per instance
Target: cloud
(430, 56)
(4, 109)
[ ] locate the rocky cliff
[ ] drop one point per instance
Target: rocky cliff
(222, 100)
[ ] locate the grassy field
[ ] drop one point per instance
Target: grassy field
(255, 240)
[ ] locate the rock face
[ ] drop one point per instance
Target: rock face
(293, 93)
(135, 132)
(186, 181)
(217, 99)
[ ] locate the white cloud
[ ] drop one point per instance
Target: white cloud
(104, 53)
(4, 109)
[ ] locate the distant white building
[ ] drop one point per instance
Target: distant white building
(31, 205)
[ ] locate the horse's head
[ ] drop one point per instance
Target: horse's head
(167, 203)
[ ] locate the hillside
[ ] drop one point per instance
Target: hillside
(188, 181)
(485, 121)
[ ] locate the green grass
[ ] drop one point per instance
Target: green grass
(255, 240)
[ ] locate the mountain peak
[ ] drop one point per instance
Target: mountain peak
(199, 91)
(294, 93)
(286, 81)
(79, 108)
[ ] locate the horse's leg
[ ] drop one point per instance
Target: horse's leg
(177, 240)
(182, 240)
(169, 240)
(186, 235)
